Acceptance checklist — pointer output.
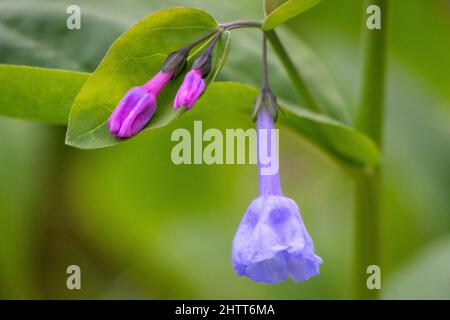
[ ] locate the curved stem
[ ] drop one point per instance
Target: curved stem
(213, 42)
(241, 24)
(200, 40)
(297, 80)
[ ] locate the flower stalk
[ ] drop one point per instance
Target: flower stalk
(266, 99)
(267, 115)
(240, 24)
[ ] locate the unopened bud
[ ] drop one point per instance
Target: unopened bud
(204, 63)
(176, 61)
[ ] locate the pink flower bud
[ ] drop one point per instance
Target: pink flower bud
(132, 113)
(190, 90)
(137, 107)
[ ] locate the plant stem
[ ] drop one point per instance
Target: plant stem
(297, 80)
(213, 42)
(367, 182)
(241, 24)
(371, 108)
(199, 40)
(366, 233)
(265, 66)
(224, 26)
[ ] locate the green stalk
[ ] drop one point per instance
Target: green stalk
(367, 182)
(297, 80)
(367, 231)
(371, 111)
(305, 95)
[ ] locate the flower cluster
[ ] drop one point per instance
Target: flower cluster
(271, 242)
(138, 105)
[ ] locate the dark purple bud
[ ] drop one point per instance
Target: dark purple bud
(267, 100)
(203, 63)
(176, 62)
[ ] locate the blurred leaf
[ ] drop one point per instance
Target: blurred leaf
(279, 11)
(25, 154)
(38, 94)
(307, 71)
(35, 33)
(424, 277)
(132, 60)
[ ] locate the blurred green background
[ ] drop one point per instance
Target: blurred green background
(141, 227)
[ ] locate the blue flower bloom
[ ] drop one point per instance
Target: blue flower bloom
(271, 242)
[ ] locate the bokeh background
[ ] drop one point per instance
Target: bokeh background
(141, 227)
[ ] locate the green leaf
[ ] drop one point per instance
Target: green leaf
(132, 60)
(38, 94)
(279, 11)
(338, 140)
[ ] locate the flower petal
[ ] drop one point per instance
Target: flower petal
(273, 239)
(124, 108)
(302, 268)
(269, 271)
(139, 116)
(190, 90)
